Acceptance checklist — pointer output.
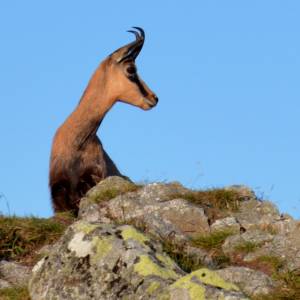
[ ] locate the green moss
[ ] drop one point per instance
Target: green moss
(20, 237)
(129, 232)
(246, 247)
(146, 267)
(14, 293)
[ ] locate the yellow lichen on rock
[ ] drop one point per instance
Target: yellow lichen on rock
(85, 227)
(192, 283)
(102, 246)
(166, 260)
(146, 267)
(153, 287)
(212, 278)
(195, 291)
(130, 232)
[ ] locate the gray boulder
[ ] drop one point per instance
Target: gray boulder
(103, 261)
(153, 208)
(251, 282)
(154, 205)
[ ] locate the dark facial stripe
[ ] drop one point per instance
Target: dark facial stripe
(136, 80)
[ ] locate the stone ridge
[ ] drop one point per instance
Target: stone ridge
(164, 241)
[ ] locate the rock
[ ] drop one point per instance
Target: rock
(229, 223)
(251, 282)
(14, 273)
(286, 248)
(116, 248)
(162, 192)
(103, 191)
(44, 251)
(104, 261)
(204, 284)
(154, 207)
(255, 237)
(199, 256)
(285, 225)
(257, 214)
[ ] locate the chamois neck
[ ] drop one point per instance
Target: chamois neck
(95, 102)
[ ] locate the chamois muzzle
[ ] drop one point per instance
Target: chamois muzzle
(151, 101)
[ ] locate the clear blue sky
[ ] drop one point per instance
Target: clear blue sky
(226, 73)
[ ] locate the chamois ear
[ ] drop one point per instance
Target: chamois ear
(132, 50)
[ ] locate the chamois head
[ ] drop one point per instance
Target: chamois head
(125, 83)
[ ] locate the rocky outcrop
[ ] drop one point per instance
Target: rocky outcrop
(163, 241)
(103, 261)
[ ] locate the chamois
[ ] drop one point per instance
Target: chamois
(78, 160)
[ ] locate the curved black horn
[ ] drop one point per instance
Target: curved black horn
(137, 36)
(132, 50)
(141, 31)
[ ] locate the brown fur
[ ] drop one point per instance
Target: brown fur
(78, 160)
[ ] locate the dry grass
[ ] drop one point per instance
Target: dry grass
(246, 247)
(217, 203)
(186, 262)
(213, 244)
(288, 287)
(212, 241)
(20, 237)
(14, 293)
(110, 192)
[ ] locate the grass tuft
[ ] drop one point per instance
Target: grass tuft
(21, 236)
(212, 241)
(217, 203)
(246, 247)
(14, 293)
(110, 192)
(186, 262)
(273, 262)
(288, 287)
(213, 244)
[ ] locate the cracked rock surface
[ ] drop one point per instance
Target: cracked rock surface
(104, 261)
(164, 241)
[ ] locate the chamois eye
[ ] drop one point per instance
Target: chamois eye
(131, 70)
